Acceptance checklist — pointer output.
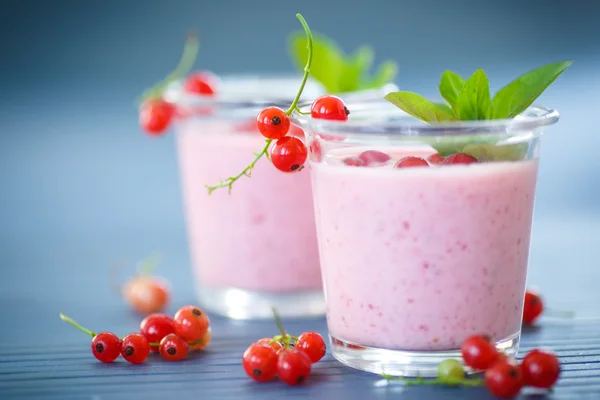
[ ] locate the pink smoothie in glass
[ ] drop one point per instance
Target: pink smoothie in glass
(421, 258)
(261, 237)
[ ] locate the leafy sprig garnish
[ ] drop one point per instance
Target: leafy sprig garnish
(468, 100)
(338, 72)
(185, 65)
(247, 171)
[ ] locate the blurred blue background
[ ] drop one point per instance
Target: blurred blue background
(83, 186)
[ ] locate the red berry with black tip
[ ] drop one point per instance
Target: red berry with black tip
(293, 366)
(155, 327)
(329, 107)
(106, 347)
(273, 123)
(173, 348)
(540, 369)
(289, 154)
(135, 348)
(260, 362)
(504, 379)
(191, 323)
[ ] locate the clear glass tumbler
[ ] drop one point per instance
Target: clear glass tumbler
(254, 248)
(416, 259)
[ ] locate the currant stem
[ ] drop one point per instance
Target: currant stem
(228, 183)
(76, 325)
(188, 58)
(149, 264)
(279, 323)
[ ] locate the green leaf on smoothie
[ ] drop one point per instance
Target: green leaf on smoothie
(470, 100)
(336, 71)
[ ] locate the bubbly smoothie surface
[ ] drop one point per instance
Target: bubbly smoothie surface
(262, 237)
(421, 258)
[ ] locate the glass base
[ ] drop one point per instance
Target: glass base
(246, 304)
(405, 363)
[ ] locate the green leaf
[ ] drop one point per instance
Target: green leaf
(473, 101)
(328, 59)
(456, 144)
(489, 152)
(386, 73)
(450, 85)
(354, 68)
(515, 97)
(446, 108)
(419, 107)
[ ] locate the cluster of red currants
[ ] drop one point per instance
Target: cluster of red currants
(173, 337)
(288, 357)
(289, 152)
(156, 113)
(505, 378)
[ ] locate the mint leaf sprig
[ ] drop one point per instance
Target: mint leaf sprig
(185, 65)
(470, 100)
(338, 72)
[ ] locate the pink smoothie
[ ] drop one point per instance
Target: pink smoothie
(261, 237)
(421, 258)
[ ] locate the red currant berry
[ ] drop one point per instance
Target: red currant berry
(373, 156)
(354, 162)
(329, 107)
(191, 323)
(504, 379)
(289, 154)
(135, 348)
(173, 348)
(411, 161)
(460, 158)
(155, 327)
(312, 344)
(155, 116)
(532, 308)
(260, 362)
(202, 83)
(435, 159)
(106, 346)
(540, 369)
(293, 366)
(205, 341)
(315, 151)
(273, 123)
(146, 294)
(269, 342)
(478, 352)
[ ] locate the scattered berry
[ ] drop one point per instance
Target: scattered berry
(532, 307)
(411, 161)
(260, 362)
(173, 348)
(273, 123)
(269, 342)
(135, 348)
(435, 159)
(315, 151)
(478, 352)
(155, 116)
(106, 347)
(504, 379)
(312, 344)
(289, 154)
(451, 372)
(293, 366)
(460, 158)
(146, 294)
(202, 83)
(191, 323)
(205, 341)
(373, 156)
(155, 327)
(354, 162)
(540, 369)
(329, 107)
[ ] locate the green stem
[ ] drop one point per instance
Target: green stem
(228, 183)
(188, 58)
(149, 264)
(76, 325)
(278, 322)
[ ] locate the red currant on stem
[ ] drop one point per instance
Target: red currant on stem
(478, 352)
(191, 323)
(173, 348)
(135, 348)
(293, 366)
(274, 124)
(147, 294)
(155, 327)
(106, 346)
(312, 344)
(504, 379)
(155, 113)
(540, 369)
(202, 343)
(201, 83)
(329, 107)
(260, 362)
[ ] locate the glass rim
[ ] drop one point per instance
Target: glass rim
(395, 122)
